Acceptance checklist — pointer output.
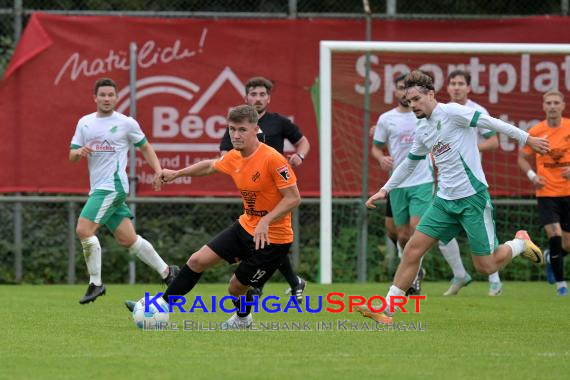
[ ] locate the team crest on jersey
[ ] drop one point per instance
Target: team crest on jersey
(256, 176)
(440, 148)
(284, 172)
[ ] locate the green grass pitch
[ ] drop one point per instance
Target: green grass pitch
(523, 334)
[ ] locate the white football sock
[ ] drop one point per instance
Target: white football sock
(390, 247)
(517, 246)
(146, 253)
(400, 251)
(450, 252)
(393, 291)
(561, 284)
(92, 254)
(494, 277)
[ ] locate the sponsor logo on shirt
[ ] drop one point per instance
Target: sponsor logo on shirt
(284, 172)
(440, 148)
(249, 198)
(102, 146)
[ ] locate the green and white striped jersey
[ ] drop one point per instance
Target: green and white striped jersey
(109, 138)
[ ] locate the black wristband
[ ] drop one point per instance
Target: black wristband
(301, 156)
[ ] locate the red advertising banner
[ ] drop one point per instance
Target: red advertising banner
(189, 72)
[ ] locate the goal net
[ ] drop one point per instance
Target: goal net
(507, 79)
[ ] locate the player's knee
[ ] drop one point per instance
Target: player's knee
(485, 268)
(403, 238)
(83, 232)
(412, 254)
(196, 264)
(126, 242)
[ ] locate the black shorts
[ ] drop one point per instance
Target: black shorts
(388, 207)
(554, 210)
(235, 244)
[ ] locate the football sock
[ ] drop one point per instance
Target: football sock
(517, 246)
(556, 258)
(391, 245)
(146, 253)
(183, 283)
(400, 251)
(92, 254)
(393, 291)
(450, 252)
(494, 277)
(286, 270)
(249, 298)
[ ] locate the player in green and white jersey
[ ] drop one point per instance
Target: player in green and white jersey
(462, 201)
(395, 131)
(104, 137)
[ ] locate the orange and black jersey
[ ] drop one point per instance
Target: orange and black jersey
(258, 179)
(550, 164)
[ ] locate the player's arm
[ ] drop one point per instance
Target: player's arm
(302, 148)
(538, 144)
(150, 157)
(403, 171)
(489, 143)
(384, 160)
(199, 169)
(524, 161)
(152, 160)
(378, 144)
(291, 199)
(76, 154)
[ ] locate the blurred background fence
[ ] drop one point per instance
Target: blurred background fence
(37, 240)
(38, 243)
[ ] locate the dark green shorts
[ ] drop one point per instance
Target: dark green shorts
(107, 208)
(410, 201)
(444, 219)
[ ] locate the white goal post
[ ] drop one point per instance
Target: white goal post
(325, 128)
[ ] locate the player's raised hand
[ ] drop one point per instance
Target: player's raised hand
(261, 234)
(168, 175)
(381, 194)
(538, 144)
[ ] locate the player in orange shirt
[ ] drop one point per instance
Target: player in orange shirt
(260, 240)
(552, 183)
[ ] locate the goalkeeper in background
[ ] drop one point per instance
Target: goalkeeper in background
(462, 201)
(552, 183)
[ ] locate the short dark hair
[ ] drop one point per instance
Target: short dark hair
(243, 114)
(258, 82)
(103, 82)
(420, 79)
(456, 73)
(400, 78)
